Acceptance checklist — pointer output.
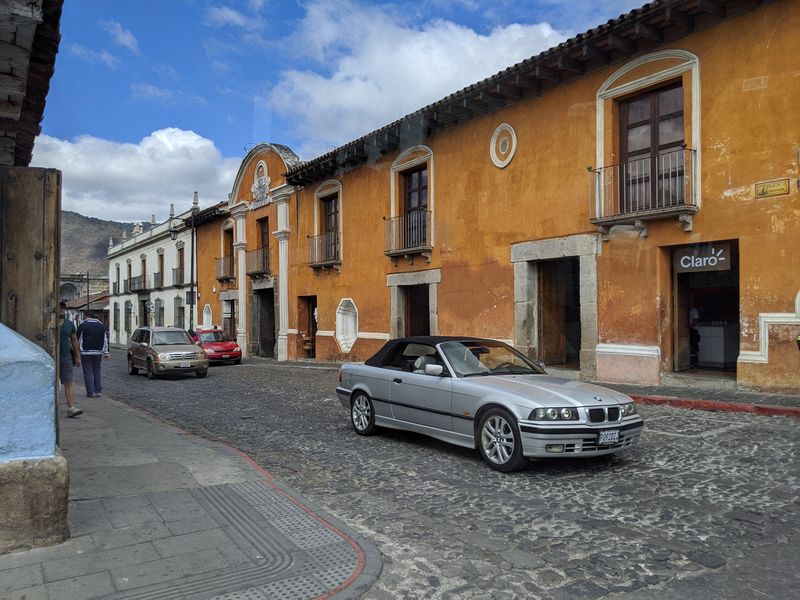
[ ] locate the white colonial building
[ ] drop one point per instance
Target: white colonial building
(152, 277)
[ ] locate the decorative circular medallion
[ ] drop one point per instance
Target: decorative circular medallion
(503, 145)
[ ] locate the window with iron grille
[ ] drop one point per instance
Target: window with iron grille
(179, 313)
(415, 207)
(158, 308)
(128, 315)
(116, 314)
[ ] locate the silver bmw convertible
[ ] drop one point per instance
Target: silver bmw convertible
(479, 392)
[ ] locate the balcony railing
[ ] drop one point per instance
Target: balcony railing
(225, 270)
(408, 234)
(258, 262)
(138, 283)
(323, 250)
(645, 188)
(158, 280)
(177, 276)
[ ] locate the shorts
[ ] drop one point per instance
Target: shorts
(65, 370)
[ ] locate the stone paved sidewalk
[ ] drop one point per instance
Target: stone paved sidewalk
(157, 513)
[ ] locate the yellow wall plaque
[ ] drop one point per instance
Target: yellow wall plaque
(765, 189)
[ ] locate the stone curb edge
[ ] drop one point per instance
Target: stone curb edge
(718, 405)
(370, 563)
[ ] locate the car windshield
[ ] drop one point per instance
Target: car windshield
(166, 338)
(214, 336)
(487, 358)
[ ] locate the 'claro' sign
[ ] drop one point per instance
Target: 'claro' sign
(703, 257)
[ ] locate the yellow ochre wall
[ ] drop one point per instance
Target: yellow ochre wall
(747, 135)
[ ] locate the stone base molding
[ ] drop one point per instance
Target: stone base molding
(628, 363)
(33, 502)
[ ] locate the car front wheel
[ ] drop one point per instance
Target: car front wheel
(201, 373)
(131, 369)
(499, 441)
(151, 369)
(362, 414)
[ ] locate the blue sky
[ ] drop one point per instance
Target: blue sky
(153, 99)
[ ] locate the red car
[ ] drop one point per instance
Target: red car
(219, 346)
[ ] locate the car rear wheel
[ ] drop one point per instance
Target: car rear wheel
(499, 441)
(131, 369)
(362, 414)
(151, 369)
(201, 373)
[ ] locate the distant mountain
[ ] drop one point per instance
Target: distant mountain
(84, 243)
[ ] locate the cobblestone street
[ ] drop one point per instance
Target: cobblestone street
(707, 506)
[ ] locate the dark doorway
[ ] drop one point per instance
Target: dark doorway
(307, 325)
(229, 317)
(418, 314)
(266, 323)
(559, 318)
(706, 307)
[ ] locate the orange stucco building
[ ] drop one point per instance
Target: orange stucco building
(625, 204)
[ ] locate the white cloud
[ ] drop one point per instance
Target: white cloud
(92, 56)
(222, 16)
(122, 37)
(146, 90)
(385, 68)
(130, 182)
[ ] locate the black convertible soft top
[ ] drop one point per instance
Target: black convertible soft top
(379, 357)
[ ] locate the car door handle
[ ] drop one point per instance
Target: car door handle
(397, 380)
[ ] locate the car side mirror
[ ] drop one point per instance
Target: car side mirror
(435, 370)
(144, 344)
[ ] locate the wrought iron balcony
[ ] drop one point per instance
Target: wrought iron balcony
(409, 234)
(177, 277)
(644, 189)
(225, 271)
(323, 250)
(138, 283)
(158, 280)
(258, 262)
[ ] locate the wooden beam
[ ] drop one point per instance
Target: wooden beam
(593, 53)
(712, 7)
(546, 73)
(474, 104)
(491, 98)
(11, 84)
(620, 43)
(508, 90)
(570, 64)
(458, 110)
(643, 30)
(15, 57)
(527, 82)
(679, 19)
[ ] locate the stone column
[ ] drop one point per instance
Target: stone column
(282, 235)
(239, 214)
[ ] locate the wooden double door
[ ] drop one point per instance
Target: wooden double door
(559, 319)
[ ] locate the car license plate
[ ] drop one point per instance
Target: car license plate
(186, 365)
(225, 355)
(608, 437)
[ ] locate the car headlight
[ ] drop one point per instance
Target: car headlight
(201, 354)
(554, 414)
(628, 409)
(237, 349)
(163, 356)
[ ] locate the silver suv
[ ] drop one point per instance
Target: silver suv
(160, 350)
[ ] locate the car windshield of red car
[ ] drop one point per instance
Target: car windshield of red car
(214, 336)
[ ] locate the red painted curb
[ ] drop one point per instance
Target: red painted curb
(756, 409)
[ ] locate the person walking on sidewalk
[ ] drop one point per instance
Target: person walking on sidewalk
(69, 357)
(93, 343)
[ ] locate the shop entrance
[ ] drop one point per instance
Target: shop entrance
(559, 318)
(706, 307)
(229, 318)
(307, 326)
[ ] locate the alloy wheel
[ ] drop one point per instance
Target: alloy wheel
(362, 413)
(497, 439)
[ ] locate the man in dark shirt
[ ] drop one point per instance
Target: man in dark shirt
(69, 357)
(93, 344)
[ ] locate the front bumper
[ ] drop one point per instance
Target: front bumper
(558, 440)
(187, 366)
(224, 356)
